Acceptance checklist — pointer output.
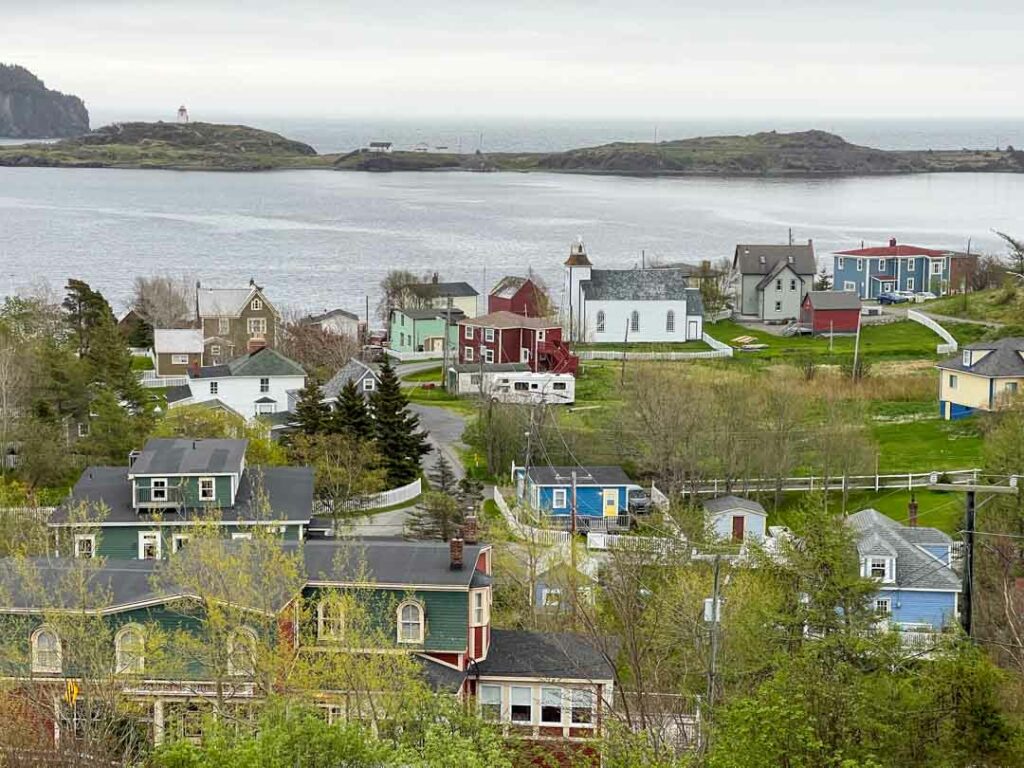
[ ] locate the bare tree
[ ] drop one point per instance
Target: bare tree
(321, 352)
(396, 293)
(163, 301)
(1016, 252)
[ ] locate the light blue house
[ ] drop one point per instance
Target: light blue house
(917, 587)
(601, 492)
(877, 270)
(734, 518)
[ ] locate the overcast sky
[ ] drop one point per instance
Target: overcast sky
(641, 59)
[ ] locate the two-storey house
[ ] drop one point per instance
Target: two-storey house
(772, 280)
(175, 350)
(146, 510)
(505, 337)
(424, 330)
(460, 296)
(875, 270)
(985, 376)
(235, 321)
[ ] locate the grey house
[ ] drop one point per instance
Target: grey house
(366, 380)
(772, 280)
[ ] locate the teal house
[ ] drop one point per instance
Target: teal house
(424, 330)
(146, 510)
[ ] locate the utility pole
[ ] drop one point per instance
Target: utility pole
(625, 343)
(572, 510)
(713, 661)
(856, 349)
(966, 596)
(444, 342)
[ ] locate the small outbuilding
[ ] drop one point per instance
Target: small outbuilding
(736, 518)
(825, 312)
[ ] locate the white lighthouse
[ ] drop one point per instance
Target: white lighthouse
(182, 114)
(577, 271)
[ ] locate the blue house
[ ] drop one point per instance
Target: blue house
(601, 492)
(874, 271)
(917, 587)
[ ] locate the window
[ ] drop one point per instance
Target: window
(179, 359)
(953, 378)
(489, 700)
(264, 385)
(881, 265)
(778, 306)
(469, 354)
(792, 285)
(558, 497)
(467, 332)
(524, 354)
(214, 387)
(149, 545)
(207, 489)
(488, 334)
(520, 386)
(910, 283)
(670, 321)
(840, 262)
(880, 568)
(242, 652)
(600, 322)
(521, 701)
(558, 386)
(582, 707)
(937, 267)
(130, 650)
(1011, 387)
(967, 358)
(178, 541)
(83, 429)
(46, 654)
(158, 489)
(256, 305)
(540, 335)
(849, 285)
(883, 606)
(488, 355)
(215, 349)
(224, 325)
(330, 620)
(551, 705)
(479, 608)
(634, 321)
(778, 284)
(410, 622)
(257, 326)
(369, 384)
(860, 265)
(551, 597)
(85, 545)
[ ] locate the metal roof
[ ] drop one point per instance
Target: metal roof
(180, 456)
(834, 299)
(879, 534)
(222, 302)
(1005, 358)
(729, 503)
(663, 284)
(585, 476)
(508, 286)
(761, 259)
(177, 340)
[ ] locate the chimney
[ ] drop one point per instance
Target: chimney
(193, 369)
(912, 512)
(433, 278)
(810, 242)
(455, 552)
(255, 345)
(892, 242)
(470, 530)
(252, 282)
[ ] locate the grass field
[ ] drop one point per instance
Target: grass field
(668, 346)
(429, 375)
(927, 443)
(935, 509)
(997, 305)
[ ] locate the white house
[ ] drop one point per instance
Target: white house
(735, 518)
(337, 321)
(252, 385)
(634, 305)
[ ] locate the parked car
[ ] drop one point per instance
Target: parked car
(639, 502)
(892, 297)
(924, 296)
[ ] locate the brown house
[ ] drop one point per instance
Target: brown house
(235, 321)
(176, 350)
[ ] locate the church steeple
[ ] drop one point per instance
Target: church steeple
(578, 255)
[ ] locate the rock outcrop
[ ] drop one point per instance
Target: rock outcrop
(30, 110)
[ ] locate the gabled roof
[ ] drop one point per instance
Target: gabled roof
(227, 302)
(891, 250)
(834, 299)
(389, 562)
(353, 370)
(780, 266)
(179, 456)
(520, 653)
(915, 568)
(640, 285)
(1005, 358)
(442, 290)
(761, 259)
(731, 503)
(431, 313)
(505, 319)
(313, 319)
(177, 341)
(263, 362)
(508, 286)
(585, 476)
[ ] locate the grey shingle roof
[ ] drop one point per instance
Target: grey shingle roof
(1004, 359)
(179, 456)
(43, 583)
(584, 476)
(440, 677)
(915, 568)
(262, 362)
(834, 299)
(177, 394)
(433, 314)
(519, 653)
(780, 267)
(729, 503)
(506, 319)
(747, 259)
(490, 368)
(426, 563)
(353, 370)
(442, 290)
(638, 285)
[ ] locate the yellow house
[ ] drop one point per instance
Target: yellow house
(984, 377)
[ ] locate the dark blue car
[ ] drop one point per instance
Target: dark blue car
(892, 297)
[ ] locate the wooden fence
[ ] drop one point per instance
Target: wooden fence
(525, 531)
(950, 346)
(908, 480)
(718, 350)
(391, 498)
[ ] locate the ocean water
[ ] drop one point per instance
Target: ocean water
(324, 239)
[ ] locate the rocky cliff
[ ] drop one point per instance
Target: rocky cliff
(30, 110)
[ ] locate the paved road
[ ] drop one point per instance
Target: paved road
(407, 369)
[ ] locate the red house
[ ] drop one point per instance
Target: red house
(505, 337)
(830, 311)
(519, 295)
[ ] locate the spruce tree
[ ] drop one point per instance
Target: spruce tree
(442, 478)
(312, 416)
(436, 517)
(351, 416)
(110, 363)
(396, 431)
(83, 309)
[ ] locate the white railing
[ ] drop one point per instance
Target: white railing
(650, 544)
(409, 357)
(810, 483)
(391, 498)
(659, 499)
(528, 532)
(151, 380)
(950, 346)
(718, 346)
(718, 350)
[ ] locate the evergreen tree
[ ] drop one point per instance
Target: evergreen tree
(112, 431)
(399, 439)
(84, 308)
(471, 492)
(436, 517)
(442, 478)
(351, 416)
(311, 414)
(109, 363)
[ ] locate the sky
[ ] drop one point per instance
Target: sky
(526, 59)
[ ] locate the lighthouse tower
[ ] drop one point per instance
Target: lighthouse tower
(577, 271)
(182, 114)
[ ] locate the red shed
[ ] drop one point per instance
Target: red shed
(519, 295)
(830, 311)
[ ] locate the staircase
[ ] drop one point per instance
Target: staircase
(555, 357)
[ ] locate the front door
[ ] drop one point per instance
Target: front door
(691, 330)
(737, 527)
(610, 502)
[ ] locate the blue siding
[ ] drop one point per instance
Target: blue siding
(935, 608)
(589, 499)
(906, 274)
(956, 411)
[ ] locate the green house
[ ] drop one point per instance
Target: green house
(423, 330)
(147, 509)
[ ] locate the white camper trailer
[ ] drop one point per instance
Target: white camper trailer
(511, 383)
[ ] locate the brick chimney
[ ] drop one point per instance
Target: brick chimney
(892, 242)
(455, 552)
(255, 345)
(912, 512)
(470, 530)
(193, 369)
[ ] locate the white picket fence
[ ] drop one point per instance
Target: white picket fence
(150, 380)
(950, 346)
(718, 350)
(381, 500)
(648, 544)
(411, 357)
(810, 483)
(528, 532)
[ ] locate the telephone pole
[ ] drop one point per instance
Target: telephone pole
(716, 615)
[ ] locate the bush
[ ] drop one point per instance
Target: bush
(140, 363)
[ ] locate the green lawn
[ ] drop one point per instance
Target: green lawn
(927, 443)
(440, 397)
(429, 375)
(668, 346)
(935, 509)
(994, 305)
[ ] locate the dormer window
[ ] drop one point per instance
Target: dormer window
(967, 358)
(880, 568)
(256, 305)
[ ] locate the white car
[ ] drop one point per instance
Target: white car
(923, 296)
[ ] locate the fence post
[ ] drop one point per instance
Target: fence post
(910, 481)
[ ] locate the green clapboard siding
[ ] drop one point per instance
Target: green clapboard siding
(122, 542)
(189, 490)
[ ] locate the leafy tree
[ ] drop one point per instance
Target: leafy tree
(351, 416)
(84, 309)
(312, 415)
(396, 431)
(43, 458)
(346, 469)
(437, 517)
(195, 421)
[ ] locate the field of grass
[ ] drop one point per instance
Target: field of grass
(927, 442)
(668, 346)
(998, 305)
(935, 509)
(427, 376)
(440, 397)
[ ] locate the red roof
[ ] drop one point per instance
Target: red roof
(894, 250)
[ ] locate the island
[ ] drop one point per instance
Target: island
(213, 147)
(30, 110)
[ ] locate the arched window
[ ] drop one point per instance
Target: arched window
(410, 622)
(330, 619)
(634, 321)
(46, 653)
(242, 652)
(130, 650)
(670, 321)
(600, 321)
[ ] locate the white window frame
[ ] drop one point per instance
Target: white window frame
(860, 265)
(524, 354)
(264, 385)
(533, 704)
(241, 536)
(232, 639)
(559, 498)
(488, 355)
(89, 537)
(881, 265)
(256, 305)
(888, 568)
(215, 349)
(162, 488)
(547, 692)
(146, 536)
(599, 322)
(479, 608)
(83, 429)
(330, 627)
(214, 388)
(792, 283)
(883, 606)
(469, 354)
(223, 325)
(256, 327)
(490, 687)
(369, 384)
(967, 358)
(937, 266)
(849, 285)
(213, 489)
(421, 624)
(910, 283)
(121, 664)
(467, 332)
(488, 334)
(778, 306)
(582, 700)
(38, 666)
(840, 263)
(179, 359)
(264, 408)
(177, 539)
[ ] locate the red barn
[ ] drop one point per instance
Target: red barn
(830, 311)
(505, 337)
(519, 295)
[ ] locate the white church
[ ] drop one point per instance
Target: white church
(635, 305)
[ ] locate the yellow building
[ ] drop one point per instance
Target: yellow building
(984, 377)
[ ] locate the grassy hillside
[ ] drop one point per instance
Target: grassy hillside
(995, 305)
